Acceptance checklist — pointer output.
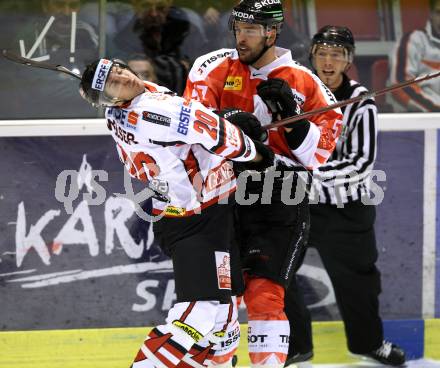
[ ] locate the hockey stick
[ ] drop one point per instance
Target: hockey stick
(362, 97)
(37, 64)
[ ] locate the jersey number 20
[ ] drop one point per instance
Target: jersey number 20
(207, 123)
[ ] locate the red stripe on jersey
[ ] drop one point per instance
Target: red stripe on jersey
(175, 348)
(193, 171)
(239, 151)
(140, 356)
(230, 311)
(320, 158)
(432, 64)
(230, 136)
(196, 349)
(171, 350)
(183, 364)
(187, 311)
(150, 87)
(155, 343)
(222, 138)
(198, 356)
(155, 333)
(164, 360)
(219, 150)
(205, 354)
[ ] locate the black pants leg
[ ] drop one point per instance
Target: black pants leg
(199, 246)
(345, 240)
(299, 319)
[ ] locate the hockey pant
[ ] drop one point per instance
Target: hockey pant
(187, 325)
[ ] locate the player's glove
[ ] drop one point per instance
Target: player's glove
(250, 126)
(246, 121)
(267, 158)
(277, 95)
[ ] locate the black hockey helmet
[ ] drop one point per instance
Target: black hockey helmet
(93, 81)
(268, 13)
(336, 36)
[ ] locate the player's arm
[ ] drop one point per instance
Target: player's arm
(177, 121)
(225, 139)
(206, 78)
(251, 127)
(311, 141)
(362, 140)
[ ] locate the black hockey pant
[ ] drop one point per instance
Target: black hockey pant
(345, 241)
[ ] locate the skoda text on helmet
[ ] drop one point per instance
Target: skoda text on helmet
(334, 36)
(93, 81)
(268, 13)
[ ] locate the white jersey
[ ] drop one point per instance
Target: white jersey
(417, 53)
(180, 147)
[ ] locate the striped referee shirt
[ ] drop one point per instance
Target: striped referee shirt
(345, 176)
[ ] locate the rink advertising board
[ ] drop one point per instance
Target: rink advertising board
(68, 260)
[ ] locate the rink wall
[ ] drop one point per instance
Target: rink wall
(74, 256)
(116, 347)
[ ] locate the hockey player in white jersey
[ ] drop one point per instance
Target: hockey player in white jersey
(185, 148)
(416, 54)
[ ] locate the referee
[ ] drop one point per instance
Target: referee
(342, 224)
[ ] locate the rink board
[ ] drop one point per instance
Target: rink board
(73, 261)
(67, 297)
(116, 347)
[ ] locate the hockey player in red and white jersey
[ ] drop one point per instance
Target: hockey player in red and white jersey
(229, 78)
(416, 54)
(185, 149)
(263, 79)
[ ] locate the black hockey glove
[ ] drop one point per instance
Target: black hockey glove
(277, 95)
(246, 121)
(267, 158)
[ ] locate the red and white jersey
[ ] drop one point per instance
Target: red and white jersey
(219, 80)
(416, 54)
(180, 147)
